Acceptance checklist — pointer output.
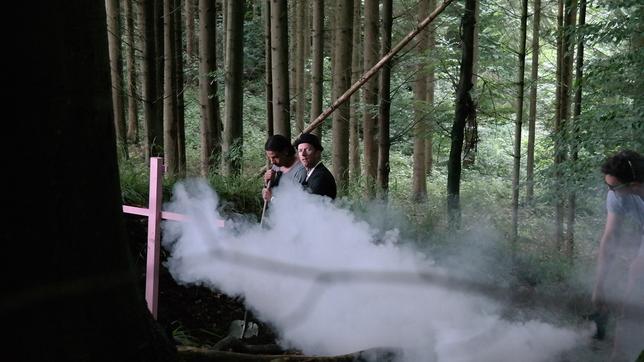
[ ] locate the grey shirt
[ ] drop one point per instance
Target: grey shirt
(629, 206)
(296, 174)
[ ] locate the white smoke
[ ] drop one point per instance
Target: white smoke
(319, 277)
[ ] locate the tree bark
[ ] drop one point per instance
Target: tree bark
(300, 103)
(210, 124)
(384, 113)
(233, 114)
(191, 44)
(170, 133)
(132, 117)
(518, 126)
(279, 55)
(180, 84)
(419, 177)
(317, 61)
(116, 67)
(464, 107)
(431, 86)
(370, 96)
(470, 145)
(356, 70)
(532, 117)
(77, 298)
(266, 9)
(342, 82)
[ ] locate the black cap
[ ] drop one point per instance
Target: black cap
(309, 138)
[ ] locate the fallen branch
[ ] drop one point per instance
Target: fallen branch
(195, 354)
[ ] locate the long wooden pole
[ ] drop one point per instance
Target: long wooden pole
(371, 72)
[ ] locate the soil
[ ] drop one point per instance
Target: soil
(191, 315)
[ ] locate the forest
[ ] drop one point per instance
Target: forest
(465, 138)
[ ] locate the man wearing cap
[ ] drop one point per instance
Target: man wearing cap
(284, 164)
(318, 180)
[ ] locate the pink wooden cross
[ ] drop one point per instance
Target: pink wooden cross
(155, 215)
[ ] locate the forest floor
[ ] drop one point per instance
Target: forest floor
(197, 316)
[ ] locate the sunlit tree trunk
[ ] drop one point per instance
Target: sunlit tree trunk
(384, 113)
(464, 107)
(317, 61)
(370, 95)
(518, 125)
(116, 67)
(356, 72)
(342, 82)
(209, 129)
(532, 117)
(419, 176)
(279, 54)
(232, 139)
(132, 118)
(170, 134)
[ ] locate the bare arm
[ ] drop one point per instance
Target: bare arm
(605, 256)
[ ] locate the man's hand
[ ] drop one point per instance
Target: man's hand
(267, 194)
(269, 176)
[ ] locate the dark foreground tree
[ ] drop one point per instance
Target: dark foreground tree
(75, 297)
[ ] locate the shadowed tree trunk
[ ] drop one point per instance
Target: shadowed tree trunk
(300, 104)
(279, 55)
(116, 66)
(470, 144)
(170, 134)
(516, 170)
(342, 82)
(354, 114)
(385, 104)
(431, 77)
(419, 177)
(532, 117)
(266, 12)
(210, 124)
(191, 44)
(370, 96)
(464, 108)
(180, 106)
(159, 72)
(132, 120)
(77, 298)
(317, 61)
(231, 149)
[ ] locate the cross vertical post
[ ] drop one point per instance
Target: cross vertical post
(154, 232)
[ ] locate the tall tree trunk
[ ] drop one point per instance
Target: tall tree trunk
(431, 86)
(464, 107)
(384, 113)
(299, 64)
(266, 9)
(158, 127)
(148, 79)
(558, 146)
(419, 176)
(470, 145)
(342, 82)
(116, 67)
(180, 105)
(132, 117)
(234, 95)
(210, 124)
(317, 61)
(77, 297)
(532, 117)
(370, 96)
(191, 44)
(279, 55)
(356, 72)
(518, 126)
(574, 136)
(170, 133)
